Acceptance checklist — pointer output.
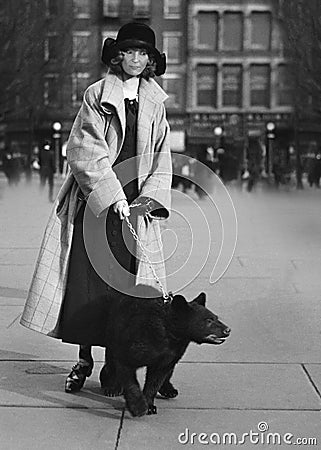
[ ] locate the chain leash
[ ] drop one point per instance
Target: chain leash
(166, 296)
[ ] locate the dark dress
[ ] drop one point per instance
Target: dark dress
(85, 305)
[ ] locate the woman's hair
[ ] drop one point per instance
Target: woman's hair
(116, 67)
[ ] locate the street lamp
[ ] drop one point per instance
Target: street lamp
(270, 127)
(218, 131)
(56, 126)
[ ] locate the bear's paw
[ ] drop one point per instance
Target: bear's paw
(152, 409)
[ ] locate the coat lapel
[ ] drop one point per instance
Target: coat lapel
(113, 94)
(150, 95)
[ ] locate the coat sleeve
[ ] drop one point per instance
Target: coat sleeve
(157, 185)
(89, 157)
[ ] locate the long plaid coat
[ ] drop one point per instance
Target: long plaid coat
(95, 141)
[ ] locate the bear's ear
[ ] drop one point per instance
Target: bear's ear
(179, 303)
(201, 299)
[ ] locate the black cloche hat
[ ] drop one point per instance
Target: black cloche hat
(134, 34)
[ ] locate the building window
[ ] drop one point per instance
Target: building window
(51, 90)
(172, 84)
(261, 30)
(260, 85)
(172, 9)
(51, 47)
(280, 37)
(233, 31)
(52, 7)
(207, 30)
(81, 8)
(232, 85)
(80, 82)
(141, 8)
(206, 83)
(111, 8)
(81, 51)
(284, 86)
(172, 46)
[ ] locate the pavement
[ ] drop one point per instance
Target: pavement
(260, 389)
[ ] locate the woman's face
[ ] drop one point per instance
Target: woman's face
(134, 62)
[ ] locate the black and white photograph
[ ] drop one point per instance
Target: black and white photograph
(160, 217)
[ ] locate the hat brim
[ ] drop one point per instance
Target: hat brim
(112, 47)
(134, 43)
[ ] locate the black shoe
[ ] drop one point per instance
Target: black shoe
(77, 377)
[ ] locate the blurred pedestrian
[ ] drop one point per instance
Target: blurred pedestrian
(28, 170)
(211, 159)
(7, 164)
(314, 171)
(12, 168)
(254, 163)
(277, 170)
(221, 163)
(254, 174)
(47, 169)
(185, 176)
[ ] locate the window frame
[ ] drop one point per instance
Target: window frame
(254, 46)
(215, 67)
(74, 79)
(75, 55)
(110, 13)
(241, 14)
(166, 12)
(174, 76)
(203, 46)
(47, 77)
(145, 13)
(239, 105)
(268, 103)
(175, 34)
(47, 57)
(47, 6)
(289, 91)
(81, 15)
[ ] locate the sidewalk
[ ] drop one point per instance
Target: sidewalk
(268, 372)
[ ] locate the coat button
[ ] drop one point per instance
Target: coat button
(114, 232)
(115, 221)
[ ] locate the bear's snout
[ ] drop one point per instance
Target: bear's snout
(217, 334)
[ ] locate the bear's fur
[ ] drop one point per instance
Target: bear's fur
(145, 331)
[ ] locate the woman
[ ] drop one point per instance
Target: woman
(119, 154)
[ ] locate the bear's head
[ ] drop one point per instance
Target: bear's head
(196, 323)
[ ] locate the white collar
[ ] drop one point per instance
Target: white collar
(130, 88)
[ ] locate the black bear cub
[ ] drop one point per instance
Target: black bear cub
(145, 331)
